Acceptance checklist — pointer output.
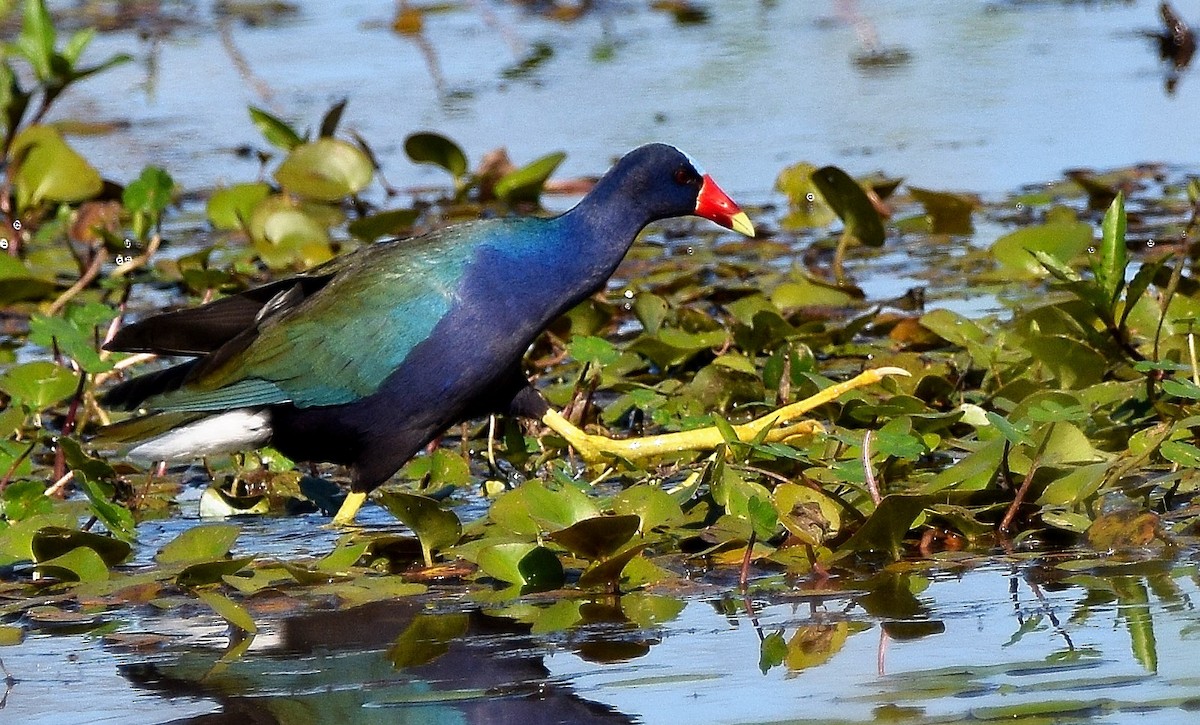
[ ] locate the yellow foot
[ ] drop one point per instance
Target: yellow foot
(594, 448)
(349, 509)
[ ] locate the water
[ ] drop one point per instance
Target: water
(934, 643)
(994, 94)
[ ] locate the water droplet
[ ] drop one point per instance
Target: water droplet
(1020, 206)
(1149, 243)
(1091, 250)
(17, 224)
(628, 294)
(129, 244)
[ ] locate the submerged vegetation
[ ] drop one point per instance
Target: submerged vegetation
(1062, 414)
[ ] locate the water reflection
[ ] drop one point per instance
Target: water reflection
(1058, 636)
(383, 662)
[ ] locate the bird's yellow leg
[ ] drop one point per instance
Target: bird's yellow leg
(349, 508)
(595, 448)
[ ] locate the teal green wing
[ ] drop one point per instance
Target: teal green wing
(339, 344)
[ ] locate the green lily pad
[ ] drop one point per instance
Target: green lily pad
(231, 207)
(327, 169)
(199, 544)
(50, 170)
(229, 610)
(522, 563)
(597, 537)
(54, 541)
(81, 564)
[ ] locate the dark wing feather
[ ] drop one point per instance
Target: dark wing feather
(130, 394)
(201, 330)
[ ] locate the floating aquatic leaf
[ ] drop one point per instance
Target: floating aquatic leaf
(54, 541)
(947, 213)
(520, 563)
(81, 564)
(885, 528)
(199, 543)
(18, 282)
(231, 207)
(1062, 237)
(229, 610)
(652, 505)
(327, 169)
(434, 526)
(393, 223)
(597, 537)
(50, 170)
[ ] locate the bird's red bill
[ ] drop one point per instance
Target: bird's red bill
(715, 205)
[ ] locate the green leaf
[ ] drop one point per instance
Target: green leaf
(198, 544)
(211, 572)
(50, 170)
(344, 556)
(762, 516)
(284, 232)
(36, 40)
(595, 350)
(231, 207)
(522, 563)
(947, 213)
(598, 537)
(443, 467)
(435, 527)
(651, 504)
(393, 223)
(1017, 434)
(886, 527)
(1139, 284)
(1062, 237)
(851, 204)
(277, 133)
(808, 514)
(19, 283)
(327, 169)
(525, 184)
(80, 564)
(533, 505)
(147, 197)
(807, 208)
(54, 541)
(1185, 454)
(772, 650)
(39, 384)
(432, 148)
(229, 610)
(22, 499)
(76, 340)
(1076, 487)
(1110, 272)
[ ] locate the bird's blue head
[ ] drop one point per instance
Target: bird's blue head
(663, 182)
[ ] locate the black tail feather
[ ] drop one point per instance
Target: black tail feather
(130, 394)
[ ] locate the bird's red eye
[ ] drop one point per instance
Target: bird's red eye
(682, 177)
